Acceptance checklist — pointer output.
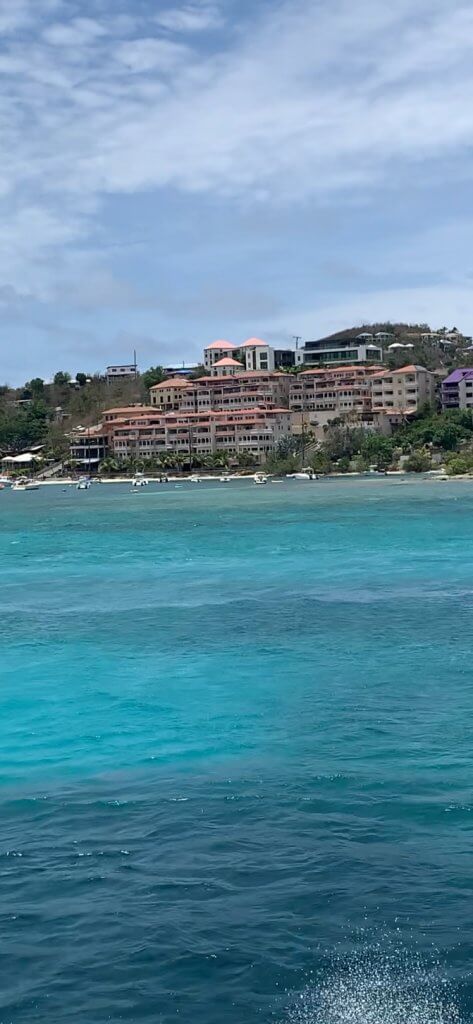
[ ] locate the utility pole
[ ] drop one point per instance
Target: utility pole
(190, 449)
(297, 338)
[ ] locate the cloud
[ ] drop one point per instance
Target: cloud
(191, 18)
(160, 55)
(312, 102)
(450, 304)
(97, 288)
(73, 33)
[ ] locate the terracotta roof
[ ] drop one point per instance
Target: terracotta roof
(412, 368)
(220, 345)
(135, 410)
(402, 369)
(172, 382)
(253, 342)
(227, 361)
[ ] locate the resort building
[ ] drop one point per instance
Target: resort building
(317, 397)
(254, 354)
(142, 431)
(88, 446)
(457, 390)
(334, 351)
(402, 392)
(216, 351)
(227, 367)
(243, 390)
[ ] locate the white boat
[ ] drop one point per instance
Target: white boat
(260, 478)
(225, 479)
(305, 474)
(194, 479)
(27, 486)
(5, 481)
(139, 481)
(84, 484)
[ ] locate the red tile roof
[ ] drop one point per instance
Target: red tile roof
(224, 345)
(227, 361)
(253, 342)
(172, 382)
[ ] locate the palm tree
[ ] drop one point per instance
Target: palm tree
(110, 465)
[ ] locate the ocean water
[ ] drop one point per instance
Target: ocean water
(236, 753)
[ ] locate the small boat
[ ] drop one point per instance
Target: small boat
(83, 484)
(25, 486)
(225, 479)
(139, 481)
(260, 478)
(305, 474)
(194, 479)
(5, 481)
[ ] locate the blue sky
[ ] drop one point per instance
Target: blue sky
(175, 173)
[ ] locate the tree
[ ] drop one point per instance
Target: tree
(377, 449)
(459, 464)
(320, 463)
(245, 460)
(109, 466)
(35, 387)
(155, 375)
(81, 379)
(61, 378)
(418, 462)
(287, 446)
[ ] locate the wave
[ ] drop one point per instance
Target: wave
(378, 988)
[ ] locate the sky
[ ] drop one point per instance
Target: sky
(172, 173)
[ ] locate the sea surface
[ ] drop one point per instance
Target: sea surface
(236, 753)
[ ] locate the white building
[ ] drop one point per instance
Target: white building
(120, 372)
(258, 354)
(342, 351)
(218, 350)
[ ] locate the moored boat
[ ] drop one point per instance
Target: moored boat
(25, 485)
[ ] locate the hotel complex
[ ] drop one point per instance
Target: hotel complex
(245, 403)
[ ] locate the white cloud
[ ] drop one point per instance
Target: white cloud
(449, 304)
(191, 18)
(151, 54)
(311, 101)
(74, 33)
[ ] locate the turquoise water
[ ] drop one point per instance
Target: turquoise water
(236, 753)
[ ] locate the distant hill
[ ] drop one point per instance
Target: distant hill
(444, 349)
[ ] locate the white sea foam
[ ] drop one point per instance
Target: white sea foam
(378, 989)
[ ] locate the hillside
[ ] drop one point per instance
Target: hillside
(445, 349)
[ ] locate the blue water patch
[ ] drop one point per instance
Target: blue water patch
(235, 772)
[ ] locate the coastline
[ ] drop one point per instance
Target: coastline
(436, 476)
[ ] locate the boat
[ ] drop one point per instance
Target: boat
(5, 481)
(139, 480)
(225, 479)
(304, 474)
(260, 478)
(25, 485)
(83, 484)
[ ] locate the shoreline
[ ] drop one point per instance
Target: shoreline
(435, 476)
